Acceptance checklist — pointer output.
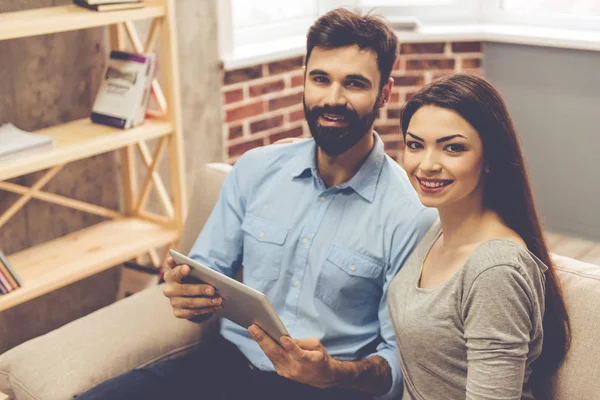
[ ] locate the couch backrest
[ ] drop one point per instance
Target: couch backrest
(206, 186)
(579, 376)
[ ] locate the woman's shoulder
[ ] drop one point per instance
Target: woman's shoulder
(506, 257)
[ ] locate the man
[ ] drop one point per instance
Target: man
(321, 227)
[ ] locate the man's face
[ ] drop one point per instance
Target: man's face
(342, 96)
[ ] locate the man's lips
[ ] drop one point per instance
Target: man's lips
(333, 120)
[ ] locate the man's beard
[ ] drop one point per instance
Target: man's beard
(337, 140)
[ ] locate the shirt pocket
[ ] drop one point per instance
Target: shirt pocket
(263, 248)
(349, 279)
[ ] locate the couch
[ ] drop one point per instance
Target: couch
(141, 329)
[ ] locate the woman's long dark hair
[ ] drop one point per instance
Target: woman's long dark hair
(506, 191)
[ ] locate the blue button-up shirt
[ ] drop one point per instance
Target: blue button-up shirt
(324, 257)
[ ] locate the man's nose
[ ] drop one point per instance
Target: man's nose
(335, 96)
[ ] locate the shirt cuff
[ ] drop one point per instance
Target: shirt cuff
(390, 354)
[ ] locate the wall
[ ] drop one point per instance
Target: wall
(263, 103)
(53, 79)
(553, 96)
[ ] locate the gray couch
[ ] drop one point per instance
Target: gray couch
(141, 329)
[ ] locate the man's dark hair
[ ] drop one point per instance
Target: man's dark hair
(342, 27)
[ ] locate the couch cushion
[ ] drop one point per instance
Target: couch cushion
(578, 377)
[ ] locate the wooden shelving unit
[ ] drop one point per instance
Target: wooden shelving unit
(126, 234)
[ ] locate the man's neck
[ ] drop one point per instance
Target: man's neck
(335, 170)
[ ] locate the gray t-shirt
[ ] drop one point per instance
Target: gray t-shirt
(476, 335)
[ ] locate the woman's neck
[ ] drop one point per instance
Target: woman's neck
(464, 224)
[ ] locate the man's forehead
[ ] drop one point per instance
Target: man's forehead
(350, 60)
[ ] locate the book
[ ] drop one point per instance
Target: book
(5, 285)
(15, 142)
(98, 2)
(123, 95)
(109, 6)
(11, 271)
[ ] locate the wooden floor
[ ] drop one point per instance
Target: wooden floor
(579, 249)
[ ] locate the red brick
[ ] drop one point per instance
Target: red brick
(393, 113)
(265, 88)
(291, 64)
(409, 95)
(242, 74)
(233, 96)
(387, 129)
(236, 131)
(265, 124)
(249, 110)
(392, 142)
(297, 115)
(409, 80)
(286, 101)
(395, 97)
(471, 63)
(297, 80)
(239, 149)
(419, 65)
(295, 132)
(466, 47)
(397, 65)
(422, 48)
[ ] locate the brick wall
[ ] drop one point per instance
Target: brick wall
(263, 103)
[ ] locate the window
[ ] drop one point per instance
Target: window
(579, 8)
(565, 14)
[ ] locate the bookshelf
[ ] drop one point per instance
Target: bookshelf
(133, 231)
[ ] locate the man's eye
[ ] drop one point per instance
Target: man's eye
(320, 79)
(414, 145)
(455, 148)
(355, 84)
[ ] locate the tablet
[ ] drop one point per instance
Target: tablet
(242, 304)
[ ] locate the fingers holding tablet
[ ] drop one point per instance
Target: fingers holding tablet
(189, 299)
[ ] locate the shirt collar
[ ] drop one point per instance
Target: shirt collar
(364, 182)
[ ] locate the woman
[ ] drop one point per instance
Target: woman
(477, 308)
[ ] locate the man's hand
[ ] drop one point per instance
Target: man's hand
(306, 361)
(301, 360)
(188, 299)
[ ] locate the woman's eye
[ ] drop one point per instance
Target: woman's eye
(413, 145)
(455, 148)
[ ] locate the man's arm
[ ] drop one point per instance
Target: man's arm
(219, 246)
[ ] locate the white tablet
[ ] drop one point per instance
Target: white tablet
(242, 304)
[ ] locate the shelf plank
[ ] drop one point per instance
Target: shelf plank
(65, 260)
(69, 18)
(80, 139)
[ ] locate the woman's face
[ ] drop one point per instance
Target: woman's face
(443, 158)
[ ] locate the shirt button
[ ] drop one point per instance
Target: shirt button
(353, 268)
(323, 199)
(296, 283)
(262, 234)
(305, 240)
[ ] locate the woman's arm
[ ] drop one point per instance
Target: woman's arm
(497, 315)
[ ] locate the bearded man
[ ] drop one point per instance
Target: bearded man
(321, 227)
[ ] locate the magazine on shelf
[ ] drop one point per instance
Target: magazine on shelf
(15, 142)
(112, 6)
(124, 92)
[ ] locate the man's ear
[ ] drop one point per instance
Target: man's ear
(386, 92)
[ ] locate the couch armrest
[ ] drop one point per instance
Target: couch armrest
(130, 333)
